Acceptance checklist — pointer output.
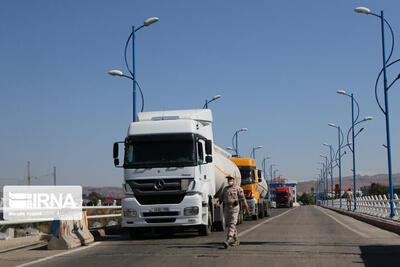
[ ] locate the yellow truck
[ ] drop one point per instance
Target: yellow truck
(255, 187)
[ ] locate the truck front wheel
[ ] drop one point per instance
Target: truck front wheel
(205, 230)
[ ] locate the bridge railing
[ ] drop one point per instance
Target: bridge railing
(376, 205)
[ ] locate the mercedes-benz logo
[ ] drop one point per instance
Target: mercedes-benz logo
(159, 185)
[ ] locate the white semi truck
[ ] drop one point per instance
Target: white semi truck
(173, 172)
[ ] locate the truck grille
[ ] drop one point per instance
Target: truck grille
(166, 220)
(159, 199)
(164, 213)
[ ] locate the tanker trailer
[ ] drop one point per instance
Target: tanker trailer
(223, 167)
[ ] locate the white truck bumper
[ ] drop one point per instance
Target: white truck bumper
(160, 215)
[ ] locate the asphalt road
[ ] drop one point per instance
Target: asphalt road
(304, 236)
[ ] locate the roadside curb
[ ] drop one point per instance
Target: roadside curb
(382, 223)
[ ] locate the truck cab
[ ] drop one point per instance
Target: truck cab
(169, 169)
(283, 197)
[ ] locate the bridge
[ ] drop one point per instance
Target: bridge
(301, 236)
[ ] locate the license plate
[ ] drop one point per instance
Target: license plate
(160, 209)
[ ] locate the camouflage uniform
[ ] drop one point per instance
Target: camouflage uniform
(231, 195)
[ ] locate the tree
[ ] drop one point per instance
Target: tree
(307, 199)
(378, 189)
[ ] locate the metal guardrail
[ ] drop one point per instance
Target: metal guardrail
(92, 217)
(377, 205)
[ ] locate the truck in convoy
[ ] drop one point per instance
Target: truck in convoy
(255, 188)
(283, 197)
(173, 172)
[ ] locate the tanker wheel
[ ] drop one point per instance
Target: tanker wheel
(261, 211)
(255, 216)
(241, 217)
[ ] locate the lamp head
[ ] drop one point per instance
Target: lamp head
(116, 73)
(331, 124)
(325, 144)
(368, 118)
(341, 92)
(150, 21)
(258, 147)
(322, 156)
(362, 10)
(229, 148)
(216, 97)
(243, 129)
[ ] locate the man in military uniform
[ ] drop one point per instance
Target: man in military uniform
(230, 197)
(350, 197)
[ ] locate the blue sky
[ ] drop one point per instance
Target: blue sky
(277, 65)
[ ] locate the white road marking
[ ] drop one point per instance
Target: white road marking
(263, 222)
(60, 254)
(343, 224)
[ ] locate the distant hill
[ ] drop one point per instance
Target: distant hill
(108, 191)
(362, 180)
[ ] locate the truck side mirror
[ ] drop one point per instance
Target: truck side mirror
(209, 159)
(208, 147)
(259, 173)
(115, 151)
(115, 154)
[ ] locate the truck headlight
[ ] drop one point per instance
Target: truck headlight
(190, 211)
(129, 213)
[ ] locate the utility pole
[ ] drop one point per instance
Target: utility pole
(54, 175)
(29, 172)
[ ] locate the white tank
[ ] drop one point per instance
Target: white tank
(262, 186)
(224, 167)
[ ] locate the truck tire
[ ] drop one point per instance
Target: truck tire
(205, 230)
(241, 217)
(261, 211)
(255, 216)
(268, 211)
(221, 225)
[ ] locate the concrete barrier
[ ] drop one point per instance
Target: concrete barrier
(71, 234)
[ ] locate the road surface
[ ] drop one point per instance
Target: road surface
(303, 236)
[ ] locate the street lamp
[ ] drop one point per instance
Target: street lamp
(340, 143)
(213, 99)
(264, 165)
(326, 177)
(331, 156)
(270, 170)
(253, 153)
(235, 136)
(132, 72)
(386, 88)
(354, 122)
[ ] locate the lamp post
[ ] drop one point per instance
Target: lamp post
(270, 170)
(253, 152)
(326, 177)
(264, 165)
(119, 73)
(354, 122)
(235, 137)
(340, 142)
(366, 11)
(213, 99)
(331, 156)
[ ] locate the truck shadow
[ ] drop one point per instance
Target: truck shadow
(380, 255)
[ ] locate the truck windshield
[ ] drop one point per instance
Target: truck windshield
(167, 150)
(282, 195)
(247, 174)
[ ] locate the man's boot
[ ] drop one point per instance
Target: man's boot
(227, 241)
(236, 241)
